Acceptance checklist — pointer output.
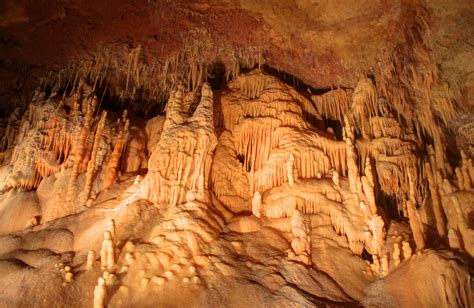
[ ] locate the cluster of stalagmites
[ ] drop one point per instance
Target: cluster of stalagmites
(264, 149)
(67, 136)
(275, 155)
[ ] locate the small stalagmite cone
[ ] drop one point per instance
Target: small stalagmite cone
(100, 293)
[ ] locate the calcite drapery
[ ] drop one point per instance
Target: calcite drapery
(315, 199)
(180, 163)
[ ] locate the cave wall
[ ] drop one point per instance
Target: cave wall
(189, 152)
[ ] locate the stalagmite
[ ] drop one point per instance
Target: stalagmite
(91, 258)
(369, 194)
(335, 179)
(466, 171)
(92, 162)
(33, 221)
(100, 293)
(471, 170)
(111, 227)
(467, 234)
(353, 170)
(79, 153)
(289, 170)
(134, 157)
(407, 252)
(110, 279)
(415, 225)
(460, 178)
(238, 187)
(183, 156)
(113, 163)
(301, 243)
(384, 266)
(453, 239)
(257, 208)
(396, 254)
(368, 185)
(107, 252)
(375, 266)
(435, 198)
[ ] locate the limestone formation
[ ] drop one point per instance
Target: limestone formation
(289, 170)
(182, 158)
(301, 242)
(111, 227)
(396, 254)
(91, 166)
(407, 252)
(257, 204)
(107, 252)
(100, 293)
(416, 226)
(91, 259)
(251, 187)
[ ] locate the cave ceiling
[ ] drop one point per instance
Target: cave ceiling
(324, 43)
(231, 153)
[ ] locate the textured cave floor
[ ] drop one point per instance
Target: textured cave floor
(236, 270)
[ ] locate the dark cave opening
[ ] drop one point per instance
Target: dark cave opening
(336, 127)
(216, 76)
(145, 107)
(241, 159)
(295, 82)
(388, 204)
(367, 256)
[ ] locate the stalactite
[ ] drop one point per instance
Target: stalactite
(364, 104)
(333, 104)
(344, 222)
(385, 126)
(409, 78)
(46, 163)
(272, 158)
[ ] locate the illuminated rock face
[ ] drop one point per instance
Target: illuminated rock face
(248, 191)
(180, 163)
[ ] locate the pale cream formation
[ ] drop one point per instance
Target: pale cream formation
(254, 195)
